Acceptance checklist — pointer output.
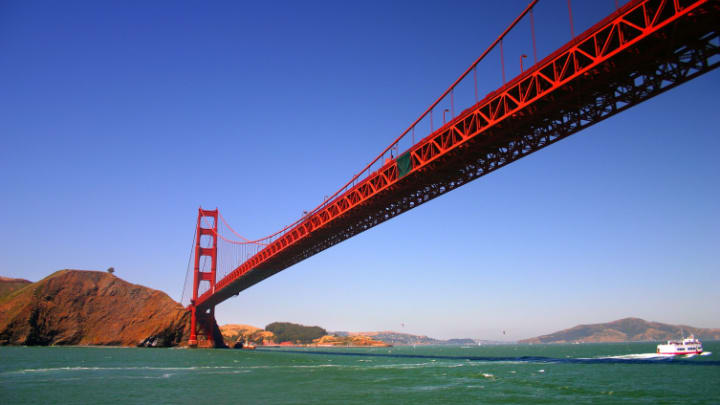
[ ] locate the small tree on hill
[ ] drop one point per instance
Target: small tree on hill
(111, 270)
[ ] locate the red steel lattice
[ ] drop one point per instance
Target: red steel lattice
(641, 50)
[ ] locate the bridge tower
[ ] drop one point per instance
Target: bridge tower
(205, 247)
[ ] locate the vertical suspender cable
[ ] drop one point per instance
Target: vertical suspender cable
(502, 61)
(452, 103)
(572, 29)
(532, 29)
(476, 89)
(187, 273)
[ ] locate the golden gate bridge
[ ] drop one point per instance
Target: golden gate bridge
(642, 49)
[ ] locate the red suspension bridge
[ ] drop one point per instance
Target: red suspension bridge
(639, 51)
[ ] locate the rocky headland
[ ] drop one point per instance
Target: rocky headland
(74, 307)
(233, 333)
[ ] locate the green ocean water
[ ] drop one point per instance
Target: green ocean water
(508, 374)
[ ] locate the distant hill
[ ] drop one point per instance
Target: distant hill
(10, 285)
(292, 333)
(624, 330)
(74, 307)
(354, 341)
(394, 338)
(285, 332)
(397, 338)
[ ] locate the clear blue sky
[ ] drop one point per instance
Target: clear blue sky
(119, 119)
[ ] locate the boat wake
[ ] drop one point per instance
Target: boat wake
(639, 358)
(652, 356)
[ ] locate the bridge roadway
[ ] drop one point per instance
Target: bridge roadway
(645, 48)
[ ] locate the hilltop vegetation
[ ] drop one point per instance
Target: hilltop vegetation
(292, 332)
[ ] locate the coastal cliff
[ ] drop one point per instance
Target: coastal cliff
(74, 307)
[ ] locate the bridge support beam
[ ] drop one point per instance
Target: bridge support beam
(204, 270)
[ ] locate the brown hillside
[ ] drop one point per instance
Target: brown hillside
(10, 285)
(233, 332)
(624, 330)
(73, 307)
(355, 340)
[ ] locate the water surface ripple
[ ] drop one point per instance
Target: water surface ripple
(508, 374)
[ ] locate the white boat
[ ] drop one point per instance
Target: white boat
(685, 346)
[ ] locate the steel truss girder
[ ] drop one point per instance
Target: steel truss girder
(539, 135)
(645, 51)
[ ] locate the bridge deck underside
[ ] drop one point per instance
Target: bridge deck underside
(671, 56)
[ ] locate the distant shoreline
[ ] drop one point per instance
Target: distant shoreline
(351, 347)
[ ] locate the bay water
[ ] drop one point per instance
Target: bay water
(503, 374)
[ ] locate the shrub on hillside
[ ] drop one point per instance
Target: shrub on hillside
(292, 332)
